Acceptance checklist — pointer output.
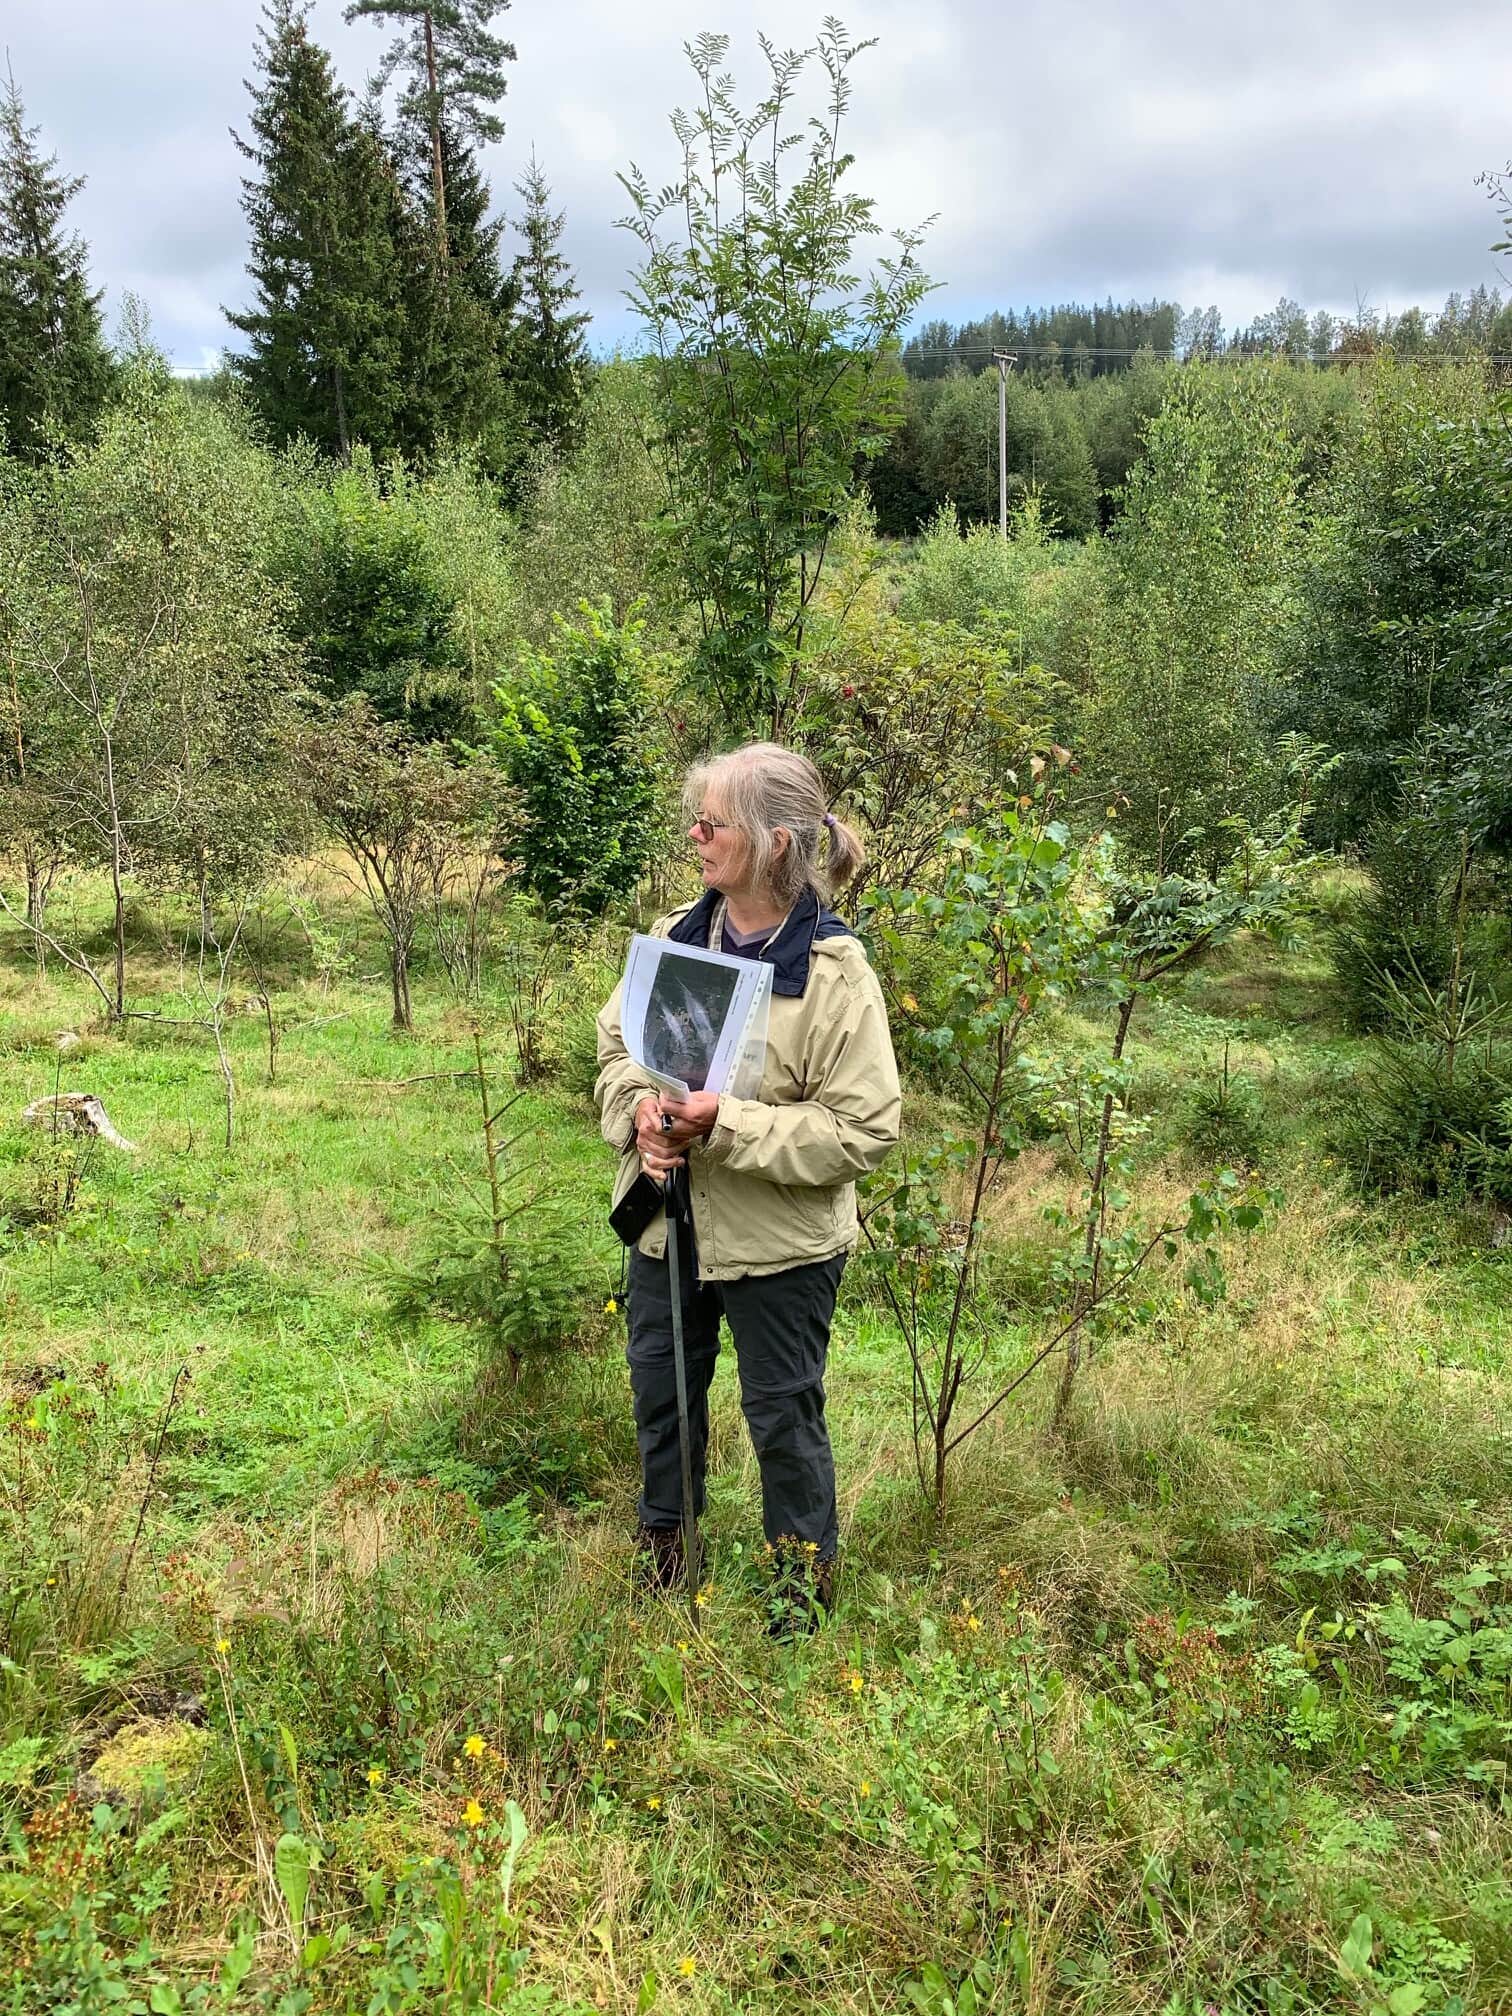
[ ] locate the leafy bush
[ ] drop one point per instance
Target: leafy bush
(1450, 1674)
(918, 726)
(1404, 615)
(588, 530)
(574, 736)
(957, 577)
(1199, 586)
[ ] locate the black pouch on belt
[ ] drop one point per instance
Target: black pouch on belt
(636, 1209)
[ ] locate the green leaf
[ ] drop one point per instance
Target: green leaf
(292, 1862)
(237, 1964)
(518, 1832)
(1359, 1943)
(646, 1999)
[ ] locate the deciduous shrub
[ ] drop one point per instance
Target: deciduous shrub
(575, 735)
(962, 577)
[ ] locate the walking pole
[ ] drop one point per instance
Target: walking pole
(680, 1373)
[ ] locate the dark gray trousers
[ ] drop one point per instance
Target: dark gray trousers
(780, 1324)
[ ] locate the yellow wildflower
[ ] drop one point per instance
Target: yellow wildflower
(474, 1746)
(374, 1776)
(687, 1966)
(472, 1814)
(683, 1645)
(653, 1804)
(223, 1646)
(610, 1743)
(611, 1307)
(857, 1683)
(866, 1788)
(973, 1623)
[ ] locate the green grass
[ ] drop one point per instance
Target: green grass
(1164, 1710)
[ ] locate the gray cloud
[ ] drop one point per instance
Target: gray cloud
(1326, 151)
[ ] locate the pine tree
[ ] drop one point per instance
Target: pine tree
(453, 66)
(55, 370)
(551, 357)
(326, 355)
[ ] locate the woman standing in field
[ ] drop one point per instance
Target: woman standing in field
(766, 1186)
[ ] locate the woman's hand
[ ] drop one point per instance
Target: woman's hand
(661, 1146)
(693, 1117)
(658, 1155)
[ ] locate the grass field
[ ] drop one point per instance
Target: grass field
(1204, 1706)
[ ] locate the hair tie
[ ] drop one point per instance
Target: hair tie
(829, 820)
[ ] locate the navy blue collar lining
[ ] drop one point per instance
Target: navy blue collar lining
(788, 953)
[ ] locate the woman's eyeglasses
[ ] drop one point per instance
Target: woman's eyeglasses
(705, 829)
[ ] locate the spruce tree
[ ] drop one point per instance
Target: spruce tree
(474, 237)
(55, 370)
(326, 351)
(551, 357)
(458, 318)
(453, 67)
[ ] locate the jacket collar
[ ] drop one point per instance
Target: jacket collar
(787, 954)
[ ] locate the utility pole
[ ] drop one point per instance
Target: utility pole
(1005, 363)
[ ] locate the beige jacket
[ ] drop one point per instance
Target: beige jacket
(774, 1184)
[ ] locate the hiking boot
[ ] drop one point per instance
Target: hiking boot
(659, 1563)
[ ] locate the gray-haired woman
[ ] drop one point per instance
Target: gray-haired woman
(767, 1185)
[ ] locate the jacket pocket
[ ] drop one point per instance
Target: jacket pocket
(814, 1214)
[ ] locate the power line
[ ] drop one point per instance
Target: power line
(1070, 352)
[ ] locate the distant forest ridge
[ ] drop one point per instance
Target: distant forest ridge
(1090, 341)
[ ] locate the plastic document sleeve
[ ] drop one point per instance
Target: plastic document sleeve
(695, 1021)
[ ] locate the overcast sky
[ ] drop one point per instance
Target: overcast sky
(1323, 149)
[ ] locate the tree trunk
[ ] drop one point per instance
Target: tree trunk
(399, 975)
(120, 935)
(438, 176)
(1087, 1290)
(37, 880)
(343, 438)
(117, 853)
(207, 937)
